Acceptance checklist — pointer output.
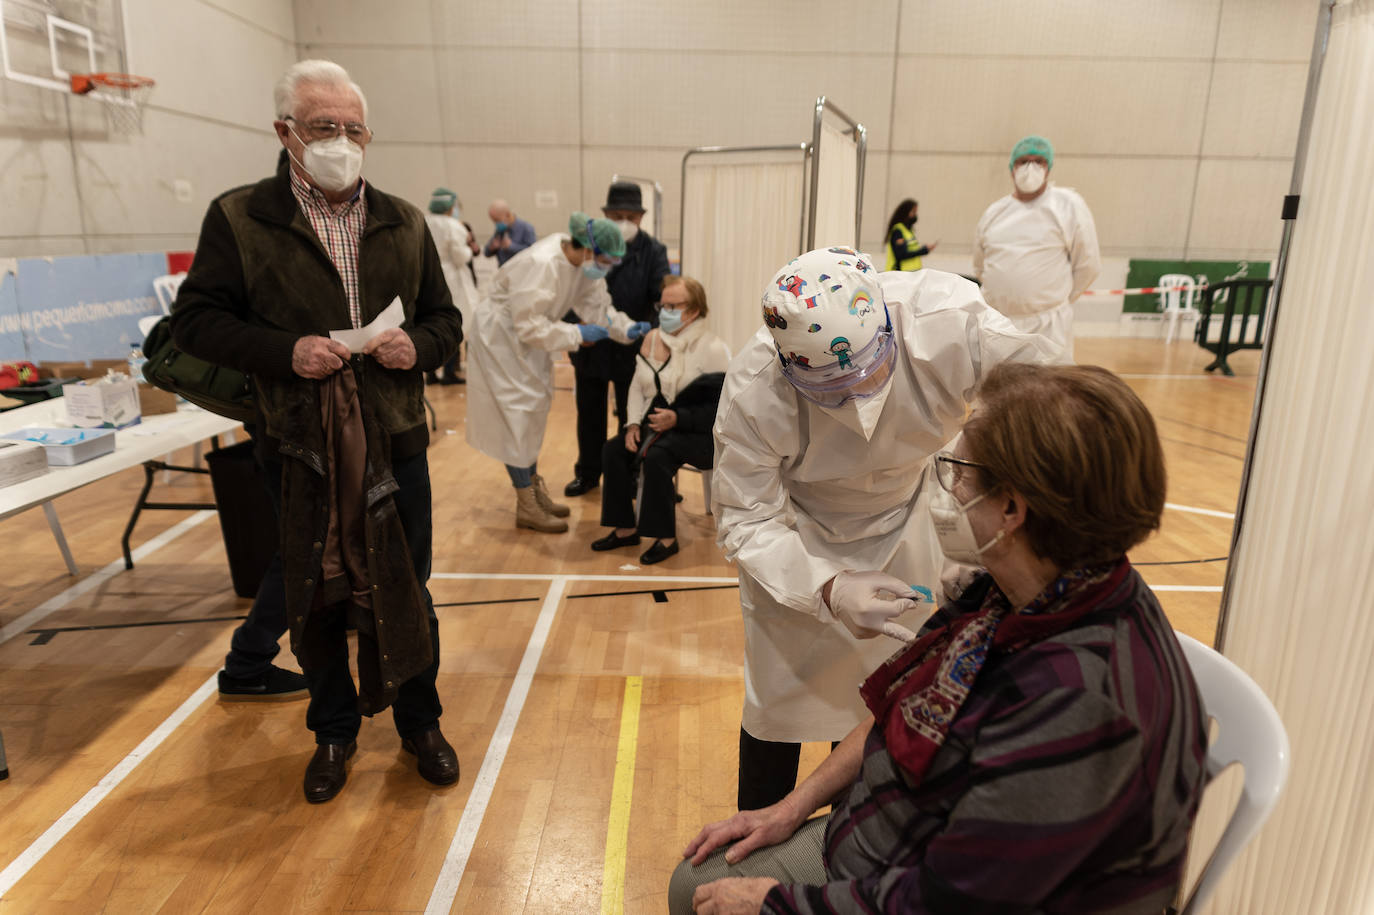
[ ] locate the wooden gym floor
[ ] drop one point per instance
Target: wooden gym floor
(594, 704)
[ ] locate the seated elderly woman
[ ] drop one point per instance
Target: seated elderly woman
(1039, 746)
(675, 390)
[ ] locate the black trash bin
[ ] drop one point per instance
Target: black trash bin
(245, 515)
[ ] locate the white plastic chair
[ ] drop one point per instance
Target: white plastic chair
(1249, 732)
(166, 289)
(1176, 300)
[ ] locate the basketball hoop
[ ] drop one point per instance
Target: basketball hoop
(122, 94)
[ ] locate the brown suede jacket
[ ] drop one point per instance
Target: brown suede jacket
(260, 281)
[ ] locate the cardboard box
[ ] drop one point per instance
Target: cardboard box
(96, 368)
(20, 461)
(67, 446)
(105, 403)
(152, 401)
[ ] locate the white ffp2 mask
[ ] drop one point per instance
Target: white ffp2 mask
(334, 164)
(953, 530)
(1029, 177)
(628, 230)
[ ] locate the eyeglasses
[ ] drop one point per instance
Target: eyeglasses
(326, 129)
(949, 470)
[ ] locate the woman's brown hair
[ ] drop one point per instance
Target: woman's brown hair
(1081, 448)
(696, 295)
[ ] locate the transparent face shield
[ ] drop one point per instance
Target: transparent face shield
(856, 375)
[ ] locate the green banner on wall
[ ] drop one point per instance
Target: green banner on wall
(1146, 273)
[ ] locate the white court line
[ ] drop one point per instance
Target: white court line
(54, 833)
(96, 579)
(1210, 589)
(545, 576)
(456, 861)
(1200, 511)
(1174, 377)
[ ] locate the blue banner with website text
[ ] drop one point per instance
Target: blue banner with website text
(73, 309)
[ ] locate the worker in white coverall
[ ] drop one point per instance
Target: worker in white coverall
(826, 422)
(456, 249)
(516, 328)
(1035, 250)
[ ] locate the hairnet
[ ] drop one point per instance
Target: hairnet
(605, 235)
(1032, 146)
(442, 200)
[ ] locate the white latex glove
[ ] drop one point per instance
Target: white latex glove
(857, 599)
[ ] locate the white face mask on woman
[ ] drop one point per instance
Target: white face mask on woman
(1029, 177)
(335, 164)
(628, 230)
(953, 530)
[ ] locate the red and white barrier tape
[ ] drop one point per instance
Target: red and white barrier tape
(1143, 290)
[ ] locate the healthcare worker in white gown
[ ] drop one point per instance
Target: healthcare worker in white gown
(826, 422)
(516, 328)
(1035, 250)
(451, 240)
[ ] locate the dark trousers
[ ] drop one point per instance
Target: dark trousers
(658, 507)
(333, 713)
(590, 394)
(255, 642)
(767, 770)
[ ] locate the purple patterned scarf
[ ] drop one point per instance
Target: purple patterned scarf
(917, 693)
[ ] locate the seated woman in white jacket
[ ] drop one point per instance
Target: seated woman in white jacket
(673, 399)
(516, 328)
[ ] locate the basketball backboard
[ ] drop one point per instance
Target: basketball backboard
(44, 42)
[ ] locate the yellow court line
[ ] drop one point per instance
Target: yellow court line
(618, 829)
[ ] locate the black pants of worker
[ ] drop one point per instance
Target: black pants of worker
(767, 770)
(590, 393)
(658, 506)
(333, 713)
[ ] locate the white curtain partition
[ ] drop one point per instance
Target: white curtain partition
(836, 193)
(1301, 616)
(742, 216)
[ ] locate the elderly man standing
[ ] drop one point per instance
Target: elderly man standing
(341, 433)
(512, 235)
(634, 284)
(1035, 250)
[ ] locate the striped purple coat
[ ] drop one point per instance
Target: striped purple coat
(1068, 783)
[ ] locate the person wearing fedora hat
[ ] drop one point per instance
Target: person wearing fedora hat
(634, 286)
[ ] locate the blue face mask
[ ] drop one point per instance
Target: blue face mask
(670, 320)
(501, 227)
(594, 271)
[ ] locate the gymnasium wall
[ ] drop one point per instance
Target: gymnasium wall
(1176, 120)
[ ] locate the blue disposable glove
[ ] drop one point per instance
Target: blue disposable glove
(591, 333)
(638, 329)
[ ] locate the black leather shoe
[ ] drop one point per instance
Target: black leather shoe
(328, 771)
(579, 487)
(614, 541)
(438, 761)
(658, 552)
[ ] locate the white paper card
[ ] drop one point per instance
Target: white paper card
(392, 316)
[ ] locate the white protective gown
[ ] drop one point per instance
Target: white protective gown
(451, 240)
(1035, 258)
(516, 329)
(800, 494)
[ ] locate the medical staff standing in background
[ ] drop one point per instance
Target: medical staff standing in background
(904, 252)
(826, 423)
(456, 249)
(1035, 250)
(516, 329)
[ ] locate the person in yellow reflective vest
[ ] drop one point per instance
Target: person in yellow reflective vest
(903, 251)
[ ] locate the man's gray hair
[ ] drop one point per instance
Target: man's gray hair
(318, 72)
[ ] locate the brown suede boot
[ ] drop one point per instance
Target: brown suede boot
(541, 493)
(528, 513)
